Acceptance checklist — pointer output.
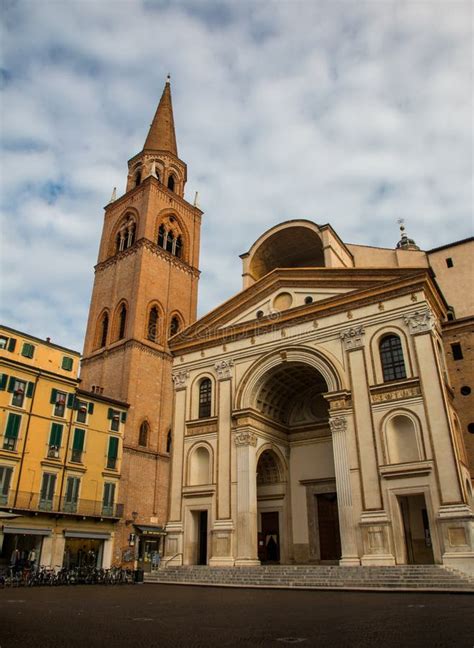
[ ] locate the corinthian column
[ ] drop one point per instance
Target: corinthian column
(247, 551)
(338, 427)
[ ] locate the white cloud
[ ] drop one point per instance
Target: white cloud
(353, 114)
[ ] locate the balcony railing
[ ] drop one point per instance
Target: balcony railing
(34, 502)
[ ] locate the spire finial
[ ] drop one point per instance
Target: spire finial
(196, 199)
(168, 78)
(113, 197)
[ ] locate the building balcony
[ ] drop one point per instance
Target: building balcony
(33, 502)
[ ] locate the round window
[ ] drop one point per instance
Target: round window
(470, 428)
(465, 390)
(308, 300)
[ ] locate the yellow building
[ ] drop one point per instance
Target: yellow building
(60, 457)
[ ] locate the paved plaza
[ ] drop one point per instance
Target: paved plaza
(173, 615)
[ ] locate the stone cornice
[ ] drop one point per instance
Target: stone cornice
(397, 390)
(126, 344)
(145, 243)
(208, 332)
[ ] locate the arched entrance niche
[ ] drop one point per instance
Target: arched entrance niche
(283, 399)
(271, 506)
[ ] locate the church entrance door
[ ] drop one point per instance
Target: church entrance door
(417, 530)
(328, 522)
(202, 538)
(269, 540)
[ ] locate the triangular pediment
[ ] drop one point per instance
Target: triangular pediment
(285, 293)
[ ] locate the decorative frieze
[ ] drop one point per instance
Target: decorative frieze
(338, 424)
(421, 321)
(201, 428)
(353, 338)
(180, 379)
(396, 394)
(224, 369)
(245, 438)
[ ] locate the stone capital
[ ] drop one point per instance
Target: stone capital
(180, 379)
(338, 424)
(245, 438)
(224, 369)
(420, 321)
(353, 338)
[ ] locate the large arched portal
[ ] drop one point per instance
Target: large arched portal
(297, 512)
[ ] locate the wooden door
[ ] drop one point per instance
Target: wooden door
(271, 537)
(328, 522)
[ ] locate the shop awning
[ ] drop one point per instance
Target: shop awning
(92, 535)
(26, 530)
(148, 529)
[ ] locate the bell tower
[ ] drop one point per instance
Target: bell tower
(145, 291)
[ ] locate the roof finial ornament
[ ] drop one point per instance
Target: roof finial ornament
(168, 78)
(405, 243)
(196, 199)
(113, 197)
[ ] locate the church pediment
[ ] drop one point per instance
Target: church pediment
(292, 293)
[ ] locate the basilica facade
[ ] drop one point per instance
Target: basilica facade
(315, 417)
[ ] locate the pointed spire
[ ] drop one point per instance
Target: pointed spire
(196, 199)
(161, 136)
(113, 197)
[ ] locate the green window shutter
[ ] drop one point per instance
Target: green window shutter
(78, 443)
(56, 435)
(11, 344)
(77, 404)
(90, 408)
(30, 389)
(11, 384)
(54, 395)
(3, 381)
(110, 413)
(13, 426)
(67, 363)
(124, 417)
(113, 448)
(27, 350)
(70, 400)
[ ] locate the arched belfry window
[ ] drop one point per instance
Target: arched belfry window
(143, 434)
(174, 325)
(171, 183)
(161, 236)
(138, 178)
(205, 398)
(125, 237)
(122, 321)
(170, 243)
(152, 329)
(178, 246)
(169, 239)
(104, 329)
(391, 357)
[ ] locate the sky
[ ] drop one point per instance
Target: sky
(349, 113)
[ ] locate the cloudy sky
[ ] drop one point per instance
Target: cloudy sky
(348, 112)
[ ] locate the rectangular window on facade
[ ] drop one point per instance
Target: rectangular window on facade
(114, 418)
(48, 485)
(81, 415)
(112, 453)
(55, 440)
(3, 342)
(27, 350)
(12, 431)
(78, 445)
(5, 480)
(18, 389)
(71, 497)
(456, 348)
(108, 501)
(67, 363)
(58, 399)
(7, 343)
(449, 262)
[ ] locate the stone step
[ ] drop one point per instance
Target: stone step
(402, 577)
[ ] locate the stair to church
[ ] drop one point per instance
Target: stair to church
(433, 578)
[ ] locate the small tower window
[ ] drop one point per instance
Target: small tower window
(171, 183)
(122, 321)
(174, 326)
(205, 398)
(118, 240)
(179, 247)
(391, 356)
(143, 434)
(104, 330)
(138, 178)
(456, 349)
(152, 332)
(131, 235)
(170, 242)
(449, 262)
(168, 442)
(161, 236)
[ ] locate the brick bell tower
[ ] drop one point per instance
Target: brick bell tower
(145, 290)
